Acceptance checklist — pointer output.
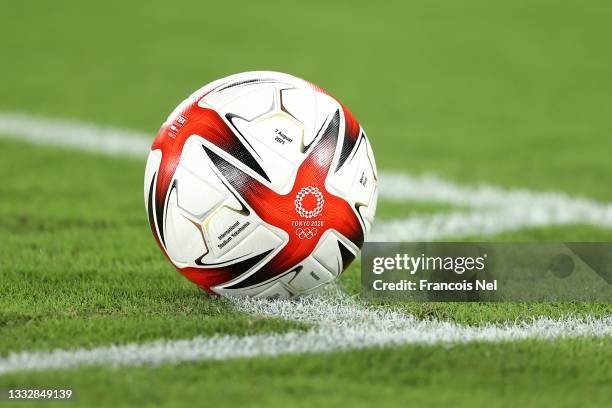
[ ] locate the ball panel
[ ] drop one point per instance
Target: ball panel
(226, 227)
(368, 211)
(311, 276)
(247, 101)
(362, 186)
(279, 167)
(184, 240)
(275, 291)
(261, 240)
(196, 161)
(281, 133)
(356, 179)
(328, 253)
(151, 169)
(196, 196)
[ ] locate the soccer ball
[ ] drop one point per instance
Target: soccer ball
(260, 184)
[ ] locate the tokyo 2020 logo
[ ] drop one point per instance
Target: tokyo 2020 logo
(299, 198)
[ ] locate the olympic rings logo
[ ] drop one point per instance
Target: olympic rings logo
(306, 233)
(304, 213)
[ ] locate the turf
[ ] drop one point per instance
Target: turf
(79, 264)
(513, 94)
(85, 272)
(565, 373)
(394, 210)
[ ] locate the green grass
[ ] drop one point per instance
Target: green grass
(514, 94)
(79, 265)
(564, 373)
(81, 269)
(393, 209)
(508, 93)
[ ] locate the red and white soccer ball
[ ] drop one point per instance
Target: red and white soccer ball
(260, 184)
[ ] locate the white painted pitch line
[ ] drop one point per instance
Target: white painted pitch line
(318, 340)
(498, 209)
(488, 222)
(75, 134)
(341, 325)
(433, 189)
(492, 210)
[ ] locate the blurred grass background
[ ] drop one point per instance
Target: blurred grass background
(508, 93)
(513, 93)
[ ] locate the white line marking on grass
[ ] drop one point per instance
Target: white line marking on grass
(341, 323)
(489, 222)
(79, 135)
(496, 209)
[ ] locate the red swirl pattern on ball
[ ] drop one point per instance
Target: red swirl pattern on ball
(275, 209)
